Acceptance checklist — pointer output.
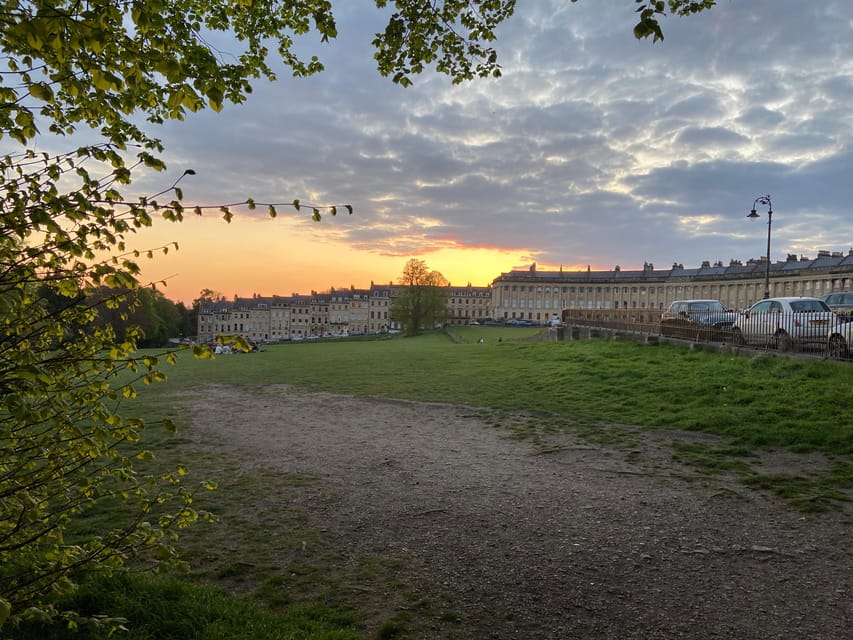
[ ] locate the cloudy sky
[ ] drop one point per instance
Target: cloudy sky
(592, 149)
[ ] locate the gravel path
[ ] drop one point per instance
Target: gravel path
(573, 541)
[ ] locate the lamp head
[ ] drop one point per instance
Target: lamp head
(753, 214)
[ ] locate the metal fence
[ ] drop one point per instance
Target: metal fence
(822, 334)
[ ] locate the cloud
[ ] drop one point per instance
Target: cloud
(592, 147)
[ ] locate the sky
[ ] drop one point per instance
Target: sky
(593, 148)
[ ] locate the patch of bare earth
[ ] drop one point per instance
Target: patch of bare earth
(507, 540)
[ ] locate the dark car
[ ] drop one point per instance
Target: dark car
(697, 320)
(842, 303)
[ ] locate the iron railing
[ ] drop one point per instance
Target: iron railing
(817, 333)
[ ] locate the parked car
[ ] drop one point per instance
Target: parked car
(697, 319)
(840, 339)
(842, 303)
(785, 323)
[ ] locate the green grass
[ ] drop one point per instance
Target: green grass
(761, 401)
(606, 391)
(171, 608)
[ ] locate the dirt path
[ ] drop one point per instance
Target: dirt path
(576, 542)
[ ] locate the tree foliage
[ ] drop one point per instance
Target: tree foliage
(423, 303)
(65, 377)
(157, 318)
(651, 10)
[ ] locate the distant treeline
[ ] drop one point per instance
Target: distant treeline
(159, 318)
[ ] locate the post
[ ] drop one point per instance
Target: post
(754, 214)
(767, 266)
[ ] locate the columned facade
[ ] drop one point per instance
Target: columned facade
(532, 295)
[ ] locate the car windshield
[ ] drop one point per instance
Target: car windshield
(809, 306)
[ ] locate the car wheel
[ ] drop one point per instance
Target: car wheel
(837, 347)
(737, 337)
(784, 342)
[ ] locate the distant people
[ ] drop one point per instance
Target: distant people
(500, 339)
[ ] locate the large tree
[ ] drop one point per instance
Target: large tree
(423, 302)
(97, 66)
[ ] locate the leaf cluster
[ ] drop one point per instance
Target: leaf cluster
(454, 35)
(650, 10)
(98, 62)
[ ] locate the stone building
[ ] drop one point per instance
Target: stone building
(640, 295)
(381, 298)
(468, 304)
(530, 294)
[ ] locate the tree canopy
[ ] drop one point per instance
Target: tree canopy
(101, 62)
(423, 302)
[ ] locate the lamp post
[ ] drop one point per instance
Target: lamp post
(765, 200)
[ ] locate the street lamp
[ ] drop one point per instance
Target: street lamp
(753, 214)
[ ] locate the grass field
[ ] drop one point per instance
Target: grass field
(753, 402)
(758, 401)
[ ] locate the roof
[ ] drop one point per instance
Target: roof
(735, 270)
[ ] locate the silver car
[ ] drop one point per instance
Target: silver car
(785, 323)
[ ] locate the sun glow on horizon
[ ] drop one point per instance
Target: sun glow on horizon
(284, 256)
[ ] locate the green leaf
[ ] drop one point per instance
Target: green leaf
(5, 611)
(41, 91)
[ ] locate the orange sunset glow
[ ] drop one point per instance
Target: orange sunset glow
(286, 256)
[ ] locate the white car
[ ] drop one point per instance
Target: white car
(840, 339)
(785, 323)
